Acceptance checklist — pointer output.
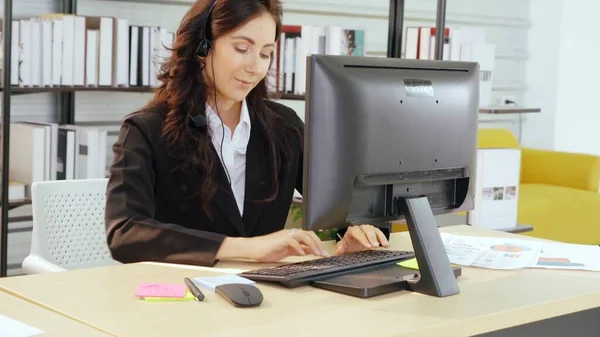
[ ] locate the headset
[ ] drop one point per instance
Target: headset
(199, 120)
(205, 45)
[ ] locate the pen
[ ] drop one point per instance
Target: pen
(195, 291)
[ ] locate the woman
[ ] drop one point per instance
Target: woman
(207, 169)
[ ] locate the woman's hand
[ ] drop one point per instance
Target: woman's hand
(274, 247)
(360, 238)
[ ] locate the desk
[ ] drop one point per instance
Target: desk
(490, 301)
(50, 322)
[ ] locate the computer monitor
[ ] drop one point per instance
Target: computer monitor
(389, 139)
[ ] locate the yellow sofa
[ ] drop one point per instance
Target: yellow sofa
(559, 192)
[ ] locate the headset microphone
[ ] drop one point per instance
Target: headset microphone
(198, 121)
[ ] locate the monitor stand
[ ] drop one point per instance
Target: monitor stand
(375, 281)
(436, 277)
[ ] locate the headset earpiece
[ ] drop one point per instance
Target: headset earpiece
(205, 45)
(203, 48)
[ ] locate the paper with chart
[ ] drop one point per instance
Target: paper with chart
(493, 253)
(506, 253)
(569, 256)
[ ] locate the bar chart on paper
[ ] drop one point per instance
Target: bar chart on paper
(569, 256)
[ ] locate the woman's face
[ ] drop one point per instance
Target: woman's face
(241, 58)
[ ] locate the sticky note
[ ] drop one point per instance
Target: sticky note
(211, 282)
(188, 297)
(148, 289)
(410, 263)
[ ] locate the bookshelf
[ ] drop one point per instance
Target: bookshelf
(64, 108)
(394, 50)
(396, 24)
(64, 99)
(164, 2)
(65, 89)
(291, 96)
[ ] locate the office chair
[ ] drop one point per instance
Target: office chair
(68, 226)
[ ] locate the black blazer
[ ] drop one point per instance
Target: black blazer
(151, 214)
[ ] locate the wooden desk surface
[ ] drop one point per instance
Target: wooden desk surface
(489, 300)
(51, 323)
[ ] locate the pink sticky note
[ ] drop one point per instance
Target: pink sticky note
(148, 289)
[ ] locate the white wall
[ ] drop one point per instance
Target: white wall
(542, 73)
(577, 120)
(562, 76)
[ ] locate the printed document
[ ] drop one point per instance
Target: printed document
(507, 253)
(492, 253)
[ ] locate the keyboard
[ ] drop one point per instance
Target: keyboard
(300, 273)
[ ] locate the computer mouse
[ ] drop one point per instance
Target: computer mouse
(240, 295)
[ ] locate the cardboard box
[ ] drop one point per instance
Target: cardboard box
(497, 189)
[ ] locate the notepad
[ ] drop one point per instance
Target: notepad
(188, 297)
(211, 282)
(410, 263)
(149, 289)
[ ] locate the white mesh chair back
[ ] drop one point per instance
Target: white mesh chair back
(68, 226)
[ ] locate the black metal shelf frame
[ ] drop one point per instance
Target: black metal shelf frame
(7, 29)
(396, 22)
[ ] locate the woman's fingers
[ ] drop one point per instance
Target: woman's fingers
(359, 235)
(342, 247)
(369, 232)
(356, 238)
(319, 243)
(305, 238)
(296, 246)
(307, 249)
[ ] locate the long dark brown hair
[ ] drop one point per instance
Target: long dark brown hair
(183, 93)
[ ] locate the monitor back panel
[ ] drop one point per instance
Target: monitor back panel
(380, 128)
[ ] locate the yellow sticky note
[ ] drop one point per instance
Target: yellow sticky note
(411, 263)
(188, 297)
